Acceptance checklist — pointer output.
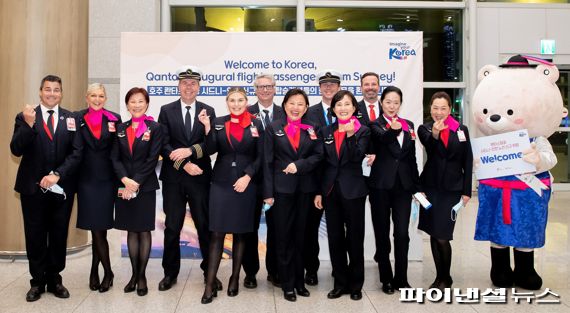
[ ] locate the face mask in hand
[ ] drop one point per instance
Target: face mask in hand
(455, 209)
(55, 189)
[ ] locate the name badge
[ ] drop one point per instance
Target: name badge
(111, 126)
(461, 135)
(218, 127)
(121, 134)
(412, 134)
(312, 134)
(254, 132)
(146, 136)
(71, 124)
(280, 133)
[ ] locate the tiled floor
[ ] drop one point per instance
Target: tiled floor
(470, 268)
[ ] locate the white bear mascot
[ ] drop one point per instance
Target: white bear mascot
(517, 95)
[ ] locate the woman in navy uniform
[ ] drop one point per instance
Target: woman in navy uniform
(97, 186)
(394, 179)
(343, 194)
(446, 180)
(134, 156)
(292, 152)
(238, 140)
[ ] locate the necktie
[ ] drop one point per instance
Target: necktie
(266, 119)
(372, 114)
(50, 122)
(329, 116)
(188, 122)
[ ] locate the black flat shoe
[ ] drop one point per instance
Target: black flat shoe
(142, 291)
(106, 283)
(59, 291)
(335, 293)
(387, 288)
(233, 286)
(356, 295)
(290, 296)
(206, 299)
(303, 292)
(166, 283)
(34, 294)
(131, 286)
(250, 282)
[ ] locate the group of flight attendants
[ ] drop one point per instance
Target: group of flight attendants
(293, 162)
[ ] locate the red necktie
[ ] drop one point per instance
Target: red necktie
(372, 114)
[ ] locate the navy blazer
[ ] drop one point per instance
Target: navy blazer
(139, 166)
(96, 162)
(235, 159)
(170, 118)
(392, 160)
(279, 153)
(278, 112)
(32, 143)
(316, 114)
(345, 169)
(448, 168)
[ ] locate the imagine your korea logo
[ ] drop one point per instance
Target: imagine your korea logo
(400, 51)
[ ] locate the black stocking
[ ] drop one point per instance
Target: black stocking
(145, 241)
(133, 246)
(238, 248)
(101, 246)
(214, 257)
(94, 274)
(441, 250)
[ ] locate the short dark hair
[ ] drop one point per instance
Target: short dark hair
(51, 78)
(369, 74)
(134, 91)
(294, 92)
(390, 89)
(338, 96)
(441, 95)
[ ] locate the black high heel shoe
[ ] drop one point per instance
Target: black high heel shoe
(94, 283)
(106, 283)
(206, 299)
(144, 290)
(131, 286)
(233, 287)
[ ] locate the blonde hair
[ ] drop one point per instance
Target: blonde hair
(234, 90)
(95, 86)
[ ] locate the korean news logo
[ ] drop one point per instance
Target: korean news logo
(400, 51)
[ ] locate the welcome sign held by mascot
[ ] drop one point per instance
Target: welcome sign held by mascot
(514, 96)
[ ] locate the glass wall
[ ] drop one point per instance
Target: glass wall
(442, 30)
(239, 19)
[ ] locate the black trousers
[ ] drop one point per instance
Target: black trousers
(250, 260)
(397, 203)
(345, 227)
(46, 221)
(251, 253)
(175, 197)
(289, 219)
(312, 249)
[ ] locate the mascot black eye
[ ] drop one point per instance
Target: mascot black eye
(510, 112)
(546, 72)
(485, 111)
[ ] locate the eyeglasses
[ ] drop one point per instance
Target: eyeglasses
(265, 87)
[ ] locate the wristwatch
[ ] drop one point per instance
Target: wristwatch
(56, 173)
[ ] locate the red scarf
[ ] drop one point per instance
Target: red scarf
(131, 137)
(236, 125)
(338, 139)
